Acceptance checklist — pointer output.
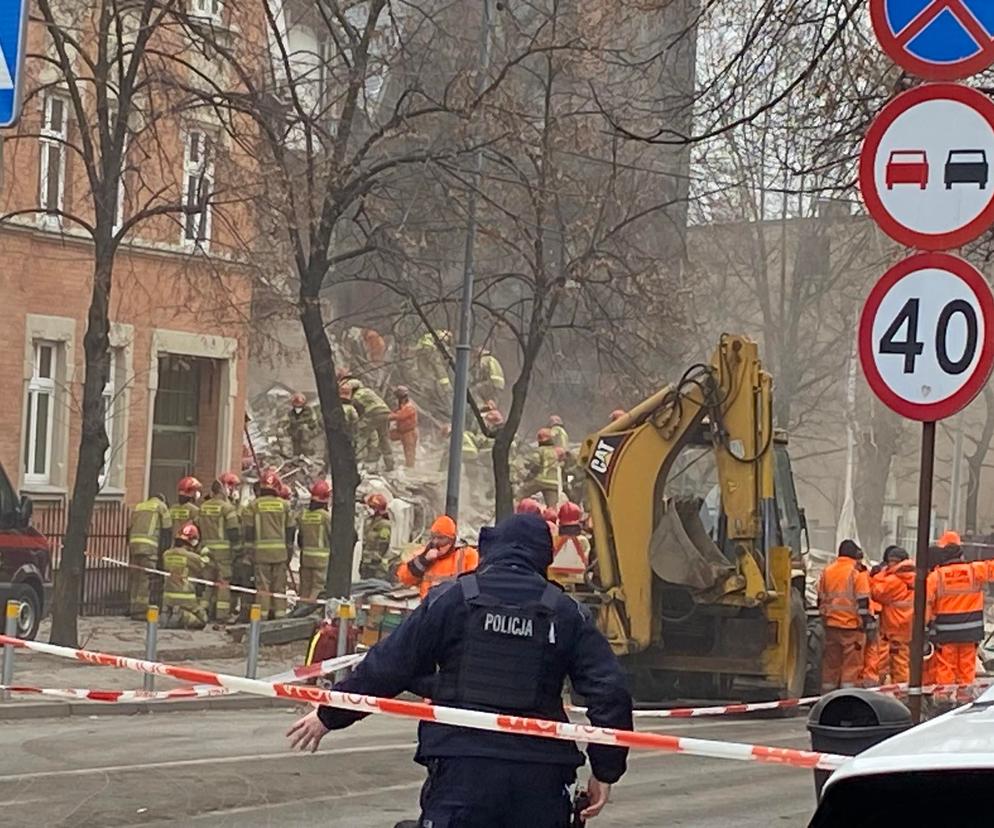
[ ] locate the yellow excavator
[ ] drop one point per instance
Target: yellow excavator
(697, 576)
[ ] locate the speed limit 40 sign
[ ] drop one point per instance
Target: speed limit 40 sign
(925, 337)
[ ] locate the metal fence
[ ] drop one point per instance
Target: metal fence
(104, 589)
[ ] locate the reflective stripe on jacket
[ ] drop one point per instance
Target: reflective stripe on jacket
(463, 559)
(956, 600)
(894, 589)
(148, 518)
(844, 594)
(270, 518)
(314, 533)
(217, 517)
(180, 563)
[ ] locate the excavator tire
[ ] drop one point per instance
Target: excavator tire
(816, 647)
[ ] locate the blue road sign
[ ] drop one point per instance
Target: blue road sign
(13, 44)
(936, 39)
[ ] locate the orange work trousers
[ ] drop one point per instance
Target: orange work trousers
(898, 664)
(955, 663)
(874, 662)
(409, 442)
(842, 661)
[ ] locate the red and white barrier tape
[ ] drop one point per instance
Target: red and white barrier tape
(112, 696)
(301, 673)
(475, 719)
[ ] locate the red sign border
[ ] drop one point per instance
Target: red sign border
(966, 95)
(922, 68)
(965, 395)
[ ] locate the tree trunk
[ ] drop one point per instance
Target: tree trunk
(341, 451)
(502, 474)
(874, 453)
(93, 447)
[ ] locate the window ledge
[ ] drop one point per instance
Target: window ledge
(44, 491)
(110, 493)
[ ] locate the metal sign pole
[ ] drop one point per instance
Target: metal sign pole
(921, 569)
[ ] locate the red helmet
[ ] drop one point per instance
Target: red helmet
(189, 534)
(555, 420)
(269, 481)
(321, 492)
(230, 480)
(377, 502)
(544, 436)
(570, 514)
(298, 400)
(189, 487)
(549, 515)
(617, 414)
(527, 506)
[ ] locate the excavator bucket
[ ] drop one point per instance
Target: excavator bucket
(681, 551)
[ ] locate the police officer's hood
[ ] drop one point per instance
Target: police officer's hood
(520, 540)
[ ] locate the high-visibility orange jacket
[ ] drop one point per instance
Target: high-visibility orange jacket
(956, 600)
(894, 589)
(844, 594)
(405, 418)
(419, 572)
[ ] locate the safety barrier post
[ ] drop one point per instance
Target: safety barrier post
(9, 629)
(255, 632)
(151, 642)
(346, 613)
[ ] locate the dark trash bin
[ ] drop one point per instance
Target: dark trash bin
(850, 721)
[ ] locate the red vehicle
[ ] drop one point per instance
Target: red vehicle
(25, 561)
(907, 167)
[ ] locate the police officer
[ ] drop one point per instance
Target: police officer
(501, 639)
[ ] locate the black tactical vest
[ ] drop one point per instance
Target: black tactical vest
(506, 660)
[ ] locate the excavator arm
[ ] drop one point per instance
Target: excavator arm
(647, 542)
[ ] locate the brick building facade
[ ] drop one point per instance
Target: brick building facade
(180, 302)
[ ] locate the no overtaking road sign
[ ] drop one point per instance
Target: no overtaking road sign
(13, 44)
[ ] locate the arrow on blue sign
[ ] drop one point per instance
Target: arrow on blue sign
(942, 31)
(13, 30)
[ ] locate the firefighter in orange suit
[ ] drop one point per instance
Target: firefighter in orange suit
(844, 604)
(875, 654)
(441, 559)
(956, 603)
(894, 589)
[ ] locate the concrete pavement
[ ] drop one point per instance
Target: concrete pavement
(233, 769)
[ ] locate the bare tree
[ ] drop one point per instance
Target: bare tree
(110, 60)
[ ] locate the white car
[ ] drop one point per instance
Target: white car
(938, 774)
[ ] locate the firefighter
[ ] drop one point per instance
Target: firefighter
(560, 439)
(149, 535)
(431, 370)
(501, 640)
(314, 539)
(528, 506)
(404, 424)
(220, 534)
(487, 380)
(181, 608)
(542, 470)
(268, 525)
(374, 424)
(571, 547)
(894, 589)
(844, 604)
(186, 509)
(349, 411)
(442, 559)
(377, 560)
(300, 426)
(955, 595)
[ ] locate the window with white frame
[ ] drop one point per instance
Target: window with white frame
(210, 9)
(40, 414)
(110, 418)
(54, 133)
(198, 185)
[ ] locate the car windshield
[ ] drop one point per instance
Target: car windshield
(968, 157)
(907, 156)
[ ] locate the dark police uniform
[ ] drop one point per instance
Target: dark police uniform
(502, 639)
